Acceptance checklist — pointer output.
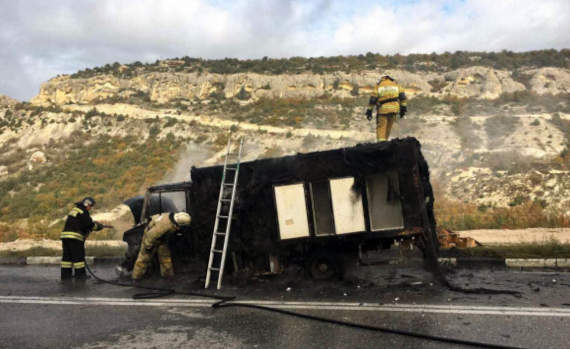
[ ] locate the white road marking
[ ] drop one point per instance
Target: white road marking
(341, 306)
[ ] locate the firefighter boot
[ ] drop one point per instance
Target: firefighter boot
(80, 274)
(66, 274)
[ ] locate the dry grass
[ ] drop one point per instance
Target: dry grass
(548, 249)
(456, 215)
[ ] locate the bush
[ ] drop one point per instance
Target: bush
(318, 65)
(243, 94)
(153, 131)
(91, 113)
(336, 84)
(170, 122)
(355, 91)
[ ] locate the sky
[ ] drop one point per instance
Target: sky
(40, 39)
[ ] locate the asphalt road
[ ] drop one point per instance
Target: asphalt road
(36, 311)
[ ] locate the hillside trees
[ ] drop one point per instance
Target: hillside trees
(111, 169)
(415, 61)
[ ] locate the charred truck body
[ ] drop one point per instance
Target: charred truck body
(315, 209)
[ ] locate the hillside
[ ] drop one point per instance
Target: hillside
(496, 134)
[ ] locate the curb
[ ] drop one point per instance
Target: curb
(474, 262)
(43, 260)
(537, 262)
(507, 262)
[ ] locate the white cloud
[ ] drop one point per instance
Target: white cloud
(481, 25)
(41, 39)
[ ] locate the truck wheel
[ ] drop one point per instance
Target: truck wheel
(322, 266)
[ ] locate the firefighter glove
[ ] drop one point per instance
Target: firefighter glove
(369, 114)
(403, 111)
(98, 226)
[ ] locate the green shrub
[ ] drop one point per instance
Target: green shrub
(243, 94)
(91, 113)
(154, 131)
(170, 122)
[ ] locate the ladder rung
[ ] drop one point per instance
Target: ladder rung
(232, 163)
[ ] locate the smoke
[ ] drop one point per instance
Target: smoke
(194, 154)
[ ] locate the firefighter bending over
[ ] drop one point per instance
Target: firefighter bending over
(78, 226)
(155, 241)
(390, 100)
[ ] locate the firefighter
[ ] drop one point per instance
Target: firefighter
(78, 226)
(389, 99)
(155, 240)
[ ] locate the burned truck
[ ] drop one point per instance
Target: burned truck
(315, 209)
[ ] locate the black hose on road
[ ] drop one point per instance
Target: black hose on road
(226, 302)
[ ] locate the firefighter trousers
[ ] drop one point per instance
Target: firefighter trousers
(145, 257)
(73, 257)
(384, 124)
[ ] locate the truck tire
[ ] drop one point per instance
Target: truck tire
(323, 266)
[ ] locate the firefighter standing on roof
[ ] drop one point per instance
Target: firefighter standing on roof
(77, 227)
(389, 99)
(155, 240)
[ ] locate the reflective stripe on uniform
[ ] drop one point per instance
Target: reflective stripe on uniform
(387, 92)
(71, 235)
(78, 265)
(66, 264)
(75, 211)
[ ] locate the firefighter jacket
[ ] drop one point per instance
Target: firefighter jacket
(155, 240)
(388, 97)
(159, 225)
(79, 224)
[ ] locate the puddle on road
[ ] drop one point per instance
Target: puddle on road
(170, 337)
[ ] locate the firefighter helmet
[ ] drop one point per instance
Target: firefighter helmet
(182, 218)
(88, 201)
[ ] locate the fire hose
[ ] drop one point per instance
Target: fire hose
(226, 302)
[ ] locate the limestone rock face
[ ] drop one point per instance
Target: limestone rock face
(120, 218)
(165, 87)
(550, 80)
(480, 82)
(6, 101)
(37, 158)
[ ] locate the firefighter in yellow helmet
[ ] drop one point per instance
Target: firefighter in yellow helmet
(155, 240)
(389, 99)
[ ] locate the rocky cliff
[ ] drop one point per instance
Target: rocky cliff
(495, 139)
(164, 87)
(6, 101)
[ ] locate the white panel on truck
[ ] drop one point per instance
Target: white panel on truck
(347, 207)
(291, 211)
(384, 204)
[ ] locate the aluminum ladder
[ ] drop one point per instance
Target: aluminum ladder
(224, 213)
